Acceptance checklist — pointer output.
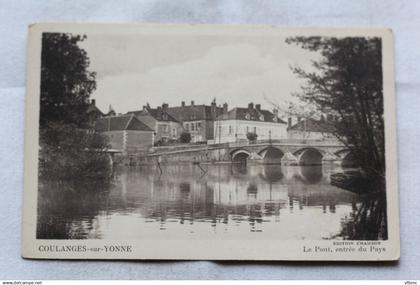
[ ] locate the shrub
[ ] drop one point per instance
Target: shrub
(185, 137)
(252, 137)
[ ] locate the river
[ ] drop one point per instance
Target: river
(186, 202)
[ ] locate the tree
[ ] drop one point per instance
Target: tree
(69, 146)
(185, 137)
(66, 82)
(347, 84)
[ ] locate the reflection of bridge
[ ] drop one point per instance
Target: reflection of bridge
(285, 152)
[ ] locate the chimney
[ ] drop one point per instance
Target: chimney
(258, 107)
(213, 110)
(251, 106)
(192, 102)
(183, 103)
(289, 122)
(144, 107)
(225, 108)
(93, 102)
(165, 106)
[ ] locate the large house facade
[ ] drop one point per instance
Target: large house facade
(234, 125)
(198, 120)
(125, 133)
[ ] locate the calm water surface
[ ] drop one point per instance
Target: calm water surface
(226, 202)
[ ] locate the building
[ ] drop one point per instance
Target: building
(126, 133)
(234, 125)
(310, 129)
(93, 111)
(198, 120)
(166, 128)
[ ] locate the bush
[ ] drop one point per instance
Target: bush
(252, 137)
(67, 153)
(185, 137)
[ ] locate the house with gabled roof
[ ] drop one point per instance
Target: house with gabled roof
(164, 125)
(234, 125)
(126, 133)
(309, 128)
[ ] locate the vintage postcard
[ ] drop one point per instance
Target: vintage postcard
(211, 142)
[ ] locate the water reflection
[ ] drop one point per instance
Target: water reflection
(229, 202)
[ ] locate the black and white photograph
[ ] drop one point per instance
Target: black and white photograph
(226, 136)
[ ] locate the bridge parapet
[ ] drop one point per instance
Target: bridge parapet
(308, 142)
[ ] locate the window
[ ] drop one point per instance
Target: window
(255, 130)
(192, 126)
(199, 125)
(187, 127)
(230, 129)
(247, 129)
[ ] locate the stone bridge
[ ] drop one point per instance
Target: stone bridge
(302, 152)
(285, 152)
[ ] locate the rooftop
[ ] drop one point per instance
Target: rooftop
(158, 114)
(120, 123)
(312, 125)
(251, 114)
(194, 112)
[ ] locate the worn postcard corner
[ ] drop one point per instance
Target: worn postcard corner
(210, 142)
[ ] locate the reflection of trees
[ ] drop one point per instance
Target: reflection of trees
(308, 188)
(67, 210)
(368, 220)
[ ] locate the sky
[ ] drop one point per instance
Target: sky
(133, 70)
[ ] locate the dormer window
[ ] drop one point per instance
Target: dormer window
(261, 117)
(247, 116)
(275, 119)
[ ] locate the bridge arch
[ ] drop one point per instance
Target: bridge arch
(350, 160)
(309, 156)
(271, 154)
(240, 155)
